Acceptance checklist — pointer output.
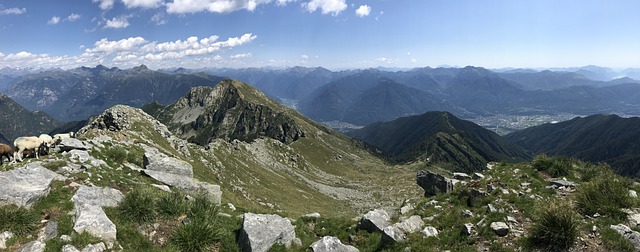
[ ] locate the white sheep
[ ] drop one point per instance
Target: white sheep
(48, 140)
(58, 137)
(32, 143)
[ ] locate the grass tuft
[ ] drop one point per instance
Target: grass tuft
(606, 195)
(172, 205)
(554, 166)
(555, 228)
(138, 206)
(18, 220)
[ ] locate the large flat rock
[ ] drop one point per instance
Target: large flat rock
(25, 185)
(261, 231)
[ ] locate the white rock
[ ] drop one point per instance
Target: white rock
(331, 244)
(500, 228)
(429, 231)
(260, 231)
(4, 237)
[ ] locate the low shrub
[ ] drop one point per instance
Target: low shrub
(554, 228)
(138, 206)
(18, 220)
(172, 205)
(606, 195)
(554, 166)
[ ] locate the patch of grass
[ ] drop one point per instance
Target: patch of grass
(196, 236)
(172, 205)
(614, 241)
(54, 165)
(18, 220)
(116, 154)
(554, 228)
(138, 206)
(135, 155)
(606, 195)
(81, 240)
(554, 166)
(128, 235)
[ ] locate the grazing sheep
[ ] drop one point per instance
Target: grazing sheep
(5, 151)
(58, 137)
(31, 143)
(48, 140)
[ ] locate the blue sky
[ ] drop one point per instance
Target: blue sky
(335, 34)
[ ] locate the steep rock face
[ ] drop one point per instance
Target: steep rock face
(230, 110)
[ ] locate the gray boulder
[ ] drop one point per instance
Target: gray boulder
(34, 246)
(97, 196)
(500, 228)
(468, 229)
(4, 237)
(411, 225)
(392, 234)
(261, 231)
(434, 184)
(157, 161)
(68, 144)
(69, 248)
(79, 155)
(187, 184)
(627, 233)
(398, 232)
(98, 247)
(93, 220)
(49, 231)
(25, 185)
(331, 244)
(562, 182)
(375, 220)
(461, 176)
(429, 231)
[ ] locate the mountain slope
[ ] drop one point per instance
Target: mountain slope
(597, 138)
(76, 94)
(369, 97)
(18, 121)
(441, 138)
(230, 110)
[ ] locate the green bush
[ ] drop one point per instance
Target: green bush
(172, 205)
(201, 231)
(554, 228)
(138, 206)
(606, 195)
(18, 220)
(135, 155)
(554, 166)
(116, 154)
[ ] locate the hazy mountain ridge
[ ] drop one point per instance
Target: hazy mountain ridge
(597, 138)
(78, 93)
(441, 138)
(18, 121)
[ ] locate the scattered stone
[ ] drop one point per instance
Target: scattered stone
(491, 208)
(392, 234)
(594, 229)
(468, 229)
(49, 231)
(65, 238)
(633, 194)
(491, 187)
(98, 247)
(563, 183)
(162, 187)
(551, 187)
(490, 166)
(627, 233)
(312, 215)
(24, 186)
(331, 244)
(156, 161)
(260, 231)
(4, 237)
(233, 208)
(477, 175)
(429, 231)
(434, 184)
(375, 220)
(406, 208)
(79, 155)
(525, 184)
(411, 225)
(501, 228)
(505, 191)
(474, 195)
(69, 248)
(68, 144)
(634, 219)
(461, 176)
(467, 213)
(511, 219)
(34, 246)
(93, 220)
(97, 196)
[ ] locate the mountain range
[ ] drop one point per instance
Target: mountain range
(596, 138)
(18, 121)
(439, 138)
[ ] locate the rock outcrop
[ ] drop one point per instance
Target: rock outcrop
(89, 216)
(25, 185)
(375, 221)
(331, 244)
(261, 231)
(629, 234)
(34, 246)
(434, 184)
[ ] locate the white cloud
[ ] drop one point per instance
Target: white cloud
(241, 56)
(304, 56)
(326, 6)
(13, 11)
(106, 46)
(117, 22)
(105, 4)
(284, 2)
(363, 10)
(73, 17)
(54, 20)
(145, 4)
(158, 19)
(216, 6)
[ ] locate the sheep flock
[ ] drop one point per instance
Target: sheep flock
(28, 146)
